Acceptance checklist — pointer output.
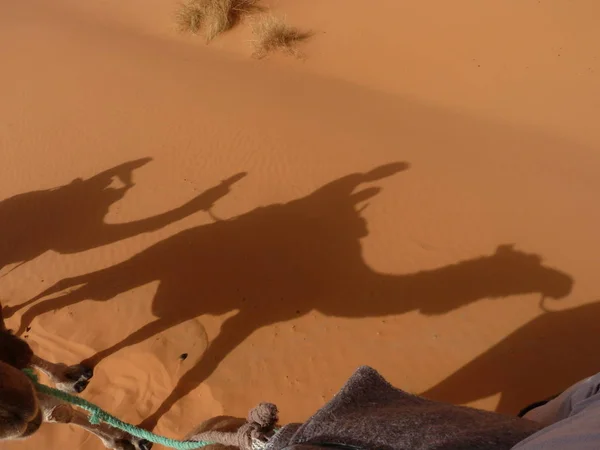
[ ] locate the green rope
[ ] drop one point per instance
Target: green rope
(98, 415)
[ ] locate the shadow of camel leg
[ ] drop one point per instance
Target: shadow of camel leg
(47, 306)
(101, 285)
(155, 327)
(233, 332)
(55, 288)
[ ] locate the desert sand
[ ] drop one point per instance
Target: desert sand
(417, 193)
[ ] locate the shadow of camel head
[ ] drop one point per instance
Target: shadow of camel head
(529, 271)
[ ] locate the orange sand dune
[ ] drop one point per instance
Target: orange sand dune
(418, 194)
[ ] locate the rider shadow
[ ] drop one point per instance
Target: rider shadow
(281, 261)
(537, 361)
(70, 218)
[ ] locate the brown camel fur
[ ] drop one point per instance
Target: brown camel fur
(23, 409)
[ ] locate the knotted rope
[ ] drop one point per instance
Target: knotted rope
(250, 436)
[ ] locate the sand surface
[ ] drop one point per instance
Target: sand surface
(419, 194)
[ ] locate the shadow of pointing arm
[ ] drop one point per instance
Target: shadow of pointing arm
(203, 202)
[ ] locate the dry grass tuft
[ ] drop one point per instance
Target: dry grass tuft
(213, 16)
(272, 34)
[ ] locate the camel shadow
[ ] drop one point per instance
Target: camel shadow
(281, 261)
(70, 218)
(537, 361)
